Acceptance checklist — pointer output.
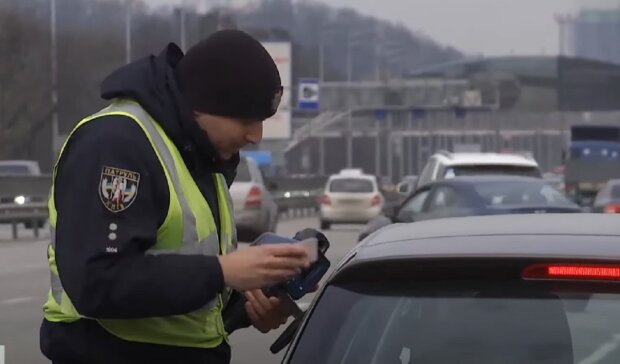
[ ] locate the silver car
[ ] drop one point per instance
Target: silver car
(255, 209)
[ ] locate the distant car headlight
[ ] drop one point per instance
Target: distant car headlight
(20, 200)
(287, 195)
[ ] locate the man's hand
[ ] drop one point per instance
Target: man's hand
(265, 313)
(262, 266)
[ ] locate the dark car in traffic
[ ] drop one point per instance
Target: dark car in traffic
(476, 195)
(487, 289)
(608, 198)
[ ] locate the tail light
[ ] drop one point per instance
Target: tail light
(612, 209)
(255, 197)
(376, 200)
(573, 272)
(325, 200)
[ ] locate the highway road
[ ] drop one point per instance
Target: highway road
(24, 282)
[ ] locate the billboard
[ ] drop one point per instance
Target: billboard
(279, 126)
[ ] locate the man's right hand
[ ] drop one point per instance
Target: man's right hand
(256, 267)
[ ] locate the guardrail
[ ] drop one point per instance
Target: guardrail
(23, 199)
(32, 215)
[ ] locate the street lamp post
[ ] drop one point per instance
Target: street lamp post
(128, 18)
(54, 78)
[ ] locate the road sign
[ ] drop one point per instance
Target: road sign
(308, 95)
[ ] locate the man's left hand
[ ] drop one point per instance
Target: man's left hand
(265, 313)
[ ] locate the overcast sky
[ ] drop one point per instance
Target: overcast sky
(491, 27)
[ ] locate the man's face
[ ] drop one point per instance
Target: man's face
(229, 135)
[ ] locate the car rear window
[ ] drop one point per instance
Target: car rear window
(243, 172)
(465, 322)
(506, 193)
(351, 185)
(476, 170)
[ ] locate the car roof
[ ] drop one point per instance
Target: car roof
(453, 159)
(531, 235)
(487, 178)
(368, 177)
(18, 163)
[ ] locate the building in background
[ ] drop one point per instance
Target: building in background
(591, 34)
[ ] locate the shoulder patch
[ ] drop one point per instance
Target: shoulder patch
(118, 188)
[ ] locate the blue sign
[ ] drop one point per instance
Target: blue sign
(262, 157)
(418, 114)
(308, 98)
(380, 115)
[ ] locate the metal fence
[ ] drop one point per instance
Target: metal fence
(23, 199)
(396, 143)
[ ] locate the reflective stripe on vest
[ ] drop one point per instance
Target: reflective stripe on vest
(197, 237)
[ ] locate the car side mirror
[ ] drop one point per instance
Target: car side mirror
(272, 186)
(403, 188)
(404, 216)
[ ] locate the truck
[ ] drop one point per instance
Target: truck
(592, 159)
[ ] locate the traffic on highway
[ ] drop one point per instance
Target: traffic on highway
(301, 182)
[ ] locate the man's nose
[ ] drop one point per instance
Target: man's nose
(255, 134)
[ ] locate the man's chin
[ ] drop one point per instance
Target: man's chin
(226, 156)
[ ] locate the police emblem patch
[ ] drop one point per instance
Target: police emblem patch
(118, 188)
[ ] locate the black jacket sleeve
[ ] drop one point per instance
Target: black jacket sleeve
(100, 253)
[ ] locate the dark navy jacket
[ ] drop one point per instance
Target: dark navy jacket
(113, 278)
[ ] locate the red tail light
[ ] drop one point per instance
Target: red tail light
(376, 200)
(255, 197)
(325, 200)
(612, 209)
(573, 272)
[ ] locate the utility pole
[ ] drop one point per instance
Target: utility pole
(54, 80)
(128, 18)
(183, 35)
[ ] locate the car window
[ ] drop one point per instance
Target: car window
(351, 185)
(14, 169)
(506, 193)
(415, 204)
(476, 170)
(443, 197)
(426, 175)
(615, 192)
(243, 172)
(404, 187)
(467, 322)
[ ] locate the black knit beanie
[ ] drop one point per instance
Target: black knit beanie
(231, 74)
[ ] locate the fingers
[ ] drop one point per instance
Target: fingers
(288, 251)
(254, 318)
(285, 264)
(260, 303)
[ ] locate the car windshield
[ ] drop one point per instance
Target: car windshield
(351, 185)
(475, 170)
(243, 172)
(14, 169)
(519, 193)
(468, 322)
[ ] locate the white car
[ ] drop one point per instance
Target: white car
(19, 168)
(447, 165)
(255, 209)
(350, 197)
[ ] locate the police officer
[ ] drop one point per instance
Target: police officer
(143, 256)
